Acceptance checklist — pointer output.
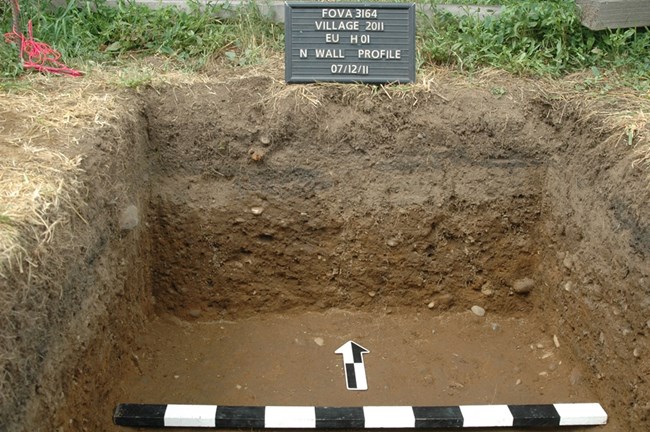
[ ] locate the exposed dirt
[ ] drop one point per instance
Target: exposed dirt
(271, 216)
(416, 358)
(413, 203)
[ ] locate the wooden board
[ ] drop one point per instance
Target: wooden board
(613, 14)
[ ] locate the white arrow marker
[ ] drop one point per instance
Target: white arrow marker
(355, 372)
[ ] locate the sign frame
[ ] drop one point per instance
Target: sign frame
(376, 78)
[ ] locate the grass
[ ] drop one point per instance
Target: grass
(87, 32)
(536, 38)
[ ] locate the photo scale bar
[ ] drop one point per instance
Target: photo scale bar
(309, 417)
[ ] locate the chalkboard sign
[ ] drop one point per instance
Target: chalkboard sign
(350, 42)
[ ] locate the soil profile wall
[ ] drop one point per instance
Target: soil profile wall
(83, 299)
(364, 201)
(331, 250)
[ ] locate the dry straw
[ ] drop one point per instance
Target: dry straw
(41, 190)
(40, 167)
(620, 114)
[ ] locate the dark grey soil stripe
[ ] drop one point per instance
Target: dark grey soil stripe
(240, 417)
(339, 418)
(438, 417)
(534, 415)
(140, 415)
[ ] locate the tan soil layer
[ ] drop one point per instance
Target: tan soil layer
(416, 358)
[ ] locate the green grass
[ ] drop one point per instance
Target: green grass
(535, 38)
(538, 38)
(9, 65)
(91, 31)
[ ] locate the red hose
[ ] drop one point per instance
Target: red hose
(33, 54)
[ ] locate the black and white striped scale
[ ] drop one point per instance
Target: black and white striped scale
(310, 417)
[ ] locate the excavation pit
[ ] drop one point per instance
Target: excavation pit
(258, 231)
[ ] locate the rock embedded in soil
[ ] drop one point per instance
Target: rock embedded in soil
(478, 311)
(129, 218)
(575, 377)
(568, 262)
(445, 301)
(392, 242)
(487, 290)
(194, 313)
(523, 286)
(256, 154)
(455, 385)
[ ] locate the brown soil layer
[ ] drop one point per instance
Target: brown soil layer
(416, 359)
(272, 215)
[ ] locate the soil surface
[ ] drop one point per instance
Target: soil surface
(419, 359)
(275, 222)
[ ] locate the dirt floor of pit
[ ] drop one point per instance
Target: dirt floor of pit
(267, 209)
(420, 359)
